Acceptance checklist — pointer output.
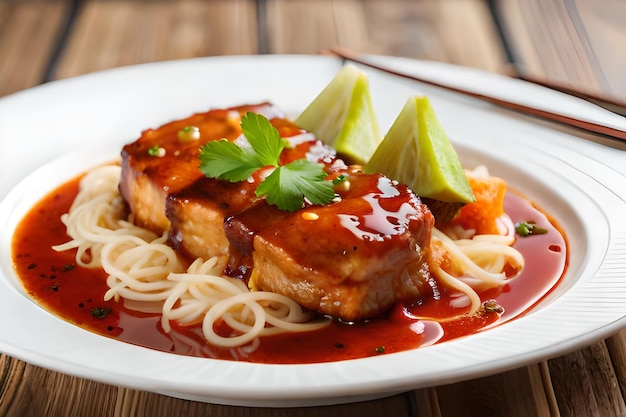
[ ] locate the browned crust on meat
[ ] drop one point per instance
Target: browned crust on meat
(196, 214)
(148, 180)
(351, 259)
(340, 296)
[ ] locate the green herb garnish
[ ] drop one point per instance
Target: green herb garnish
(100, 312)
(341, 178)
(287, 186)
(529, 228)
(189, 134)
(156, 150)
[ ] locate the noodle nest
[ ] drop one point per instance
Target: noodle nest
(149, 276)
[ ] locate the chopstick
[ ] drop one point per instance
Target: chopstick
(610, 104)
(586, 126)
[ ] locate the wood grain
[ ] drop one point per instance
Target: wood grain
(111, 34)
(616, 346)
(137, 403)
(455, 31)
(28, 31)
(517, 393)
(585, 383)
(573, 43)
(28, 390)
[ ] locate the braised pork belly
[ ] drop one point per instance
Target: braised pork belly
(196, 213)
(352, 259)
(162, 161)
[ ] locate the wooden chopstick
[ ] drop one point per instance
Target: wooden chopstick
(610, 104)
(590, 127)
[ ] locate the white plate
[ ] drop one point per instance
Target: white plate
(76, 123)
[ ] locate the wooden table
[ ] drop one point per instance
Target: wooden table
(569, 43)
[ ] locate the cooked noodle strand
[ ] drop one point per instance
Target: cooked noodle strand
(148, 274)
(144, 271)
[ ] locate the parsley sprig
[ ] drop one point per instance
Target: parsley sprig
(529, 228)
(287, 186)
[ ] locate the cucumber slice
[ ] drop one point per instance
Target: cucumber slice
(342, 116)
(416, 151)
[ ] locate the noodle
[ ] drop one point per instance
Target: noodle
(148, 275)
(142, 268)
(482, 258)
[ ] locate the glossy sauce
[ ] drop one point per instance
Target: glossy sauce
(76, 294)
(354, 260)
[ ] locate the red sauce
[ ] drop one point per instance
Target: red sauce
(75, 294)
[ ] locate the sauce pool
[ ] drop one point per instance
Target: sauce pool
(75, 294)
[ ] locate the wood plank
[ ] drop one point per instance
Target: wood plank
(603, 23)
(460, 32)
(426, 402)
(308, 26)
(137, 403)
(585, 383)
(616, 346)
(28, 31)
(517, 393)
(28, 390)
(571, 44)
(111, 34)
(456, 31)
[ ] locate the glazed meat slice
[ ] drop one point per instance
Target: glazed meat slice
(196, 213)
(161, 162)
(352, 259)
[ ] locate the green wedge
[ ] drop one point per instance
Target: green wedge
(416, 151)
(342, 116)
